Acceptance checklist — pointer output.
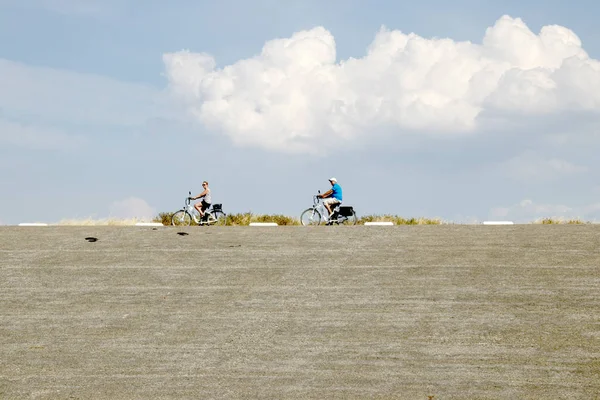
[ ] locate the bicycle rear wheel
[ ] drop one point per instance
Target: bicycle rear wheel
(220, 217)
(310, 216)
(350, 220)
(181, 218)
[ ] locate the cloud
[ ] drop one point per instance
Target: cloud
(53, 109)
(59, 96)
(37, 137)
(531, 166)
(528, 211)
(295, 97)
(132, 207)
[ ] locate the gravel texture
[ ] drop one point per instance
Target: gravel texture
(407, 312)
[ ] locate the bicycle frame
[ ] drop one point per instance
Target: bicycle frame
(189, 207)
(320, 207)
(325, 217)
(211, 214)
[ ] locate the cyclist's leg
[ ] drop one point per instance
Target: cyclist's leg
(335, 207)
(331, 204)
(204, 207)
(326, 203)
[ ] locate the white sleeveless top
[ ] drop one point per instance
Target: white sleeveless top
(207, 198)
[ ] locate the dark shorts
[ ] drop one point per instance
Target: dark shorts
(205, 205)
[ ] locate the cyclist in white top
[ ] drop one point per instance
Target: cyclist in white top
(206, 200)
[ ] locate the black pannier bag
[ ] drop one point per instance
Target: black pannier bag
(217, 207)
(346, 211)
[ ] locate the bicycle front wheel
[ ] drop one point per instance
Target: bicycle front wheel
(181, 218)
(310, 216)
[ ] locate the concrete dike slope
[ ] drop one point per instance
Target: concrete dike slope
(414, 312)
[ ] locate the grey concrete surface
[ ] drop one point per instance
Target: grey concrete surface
(406, 312)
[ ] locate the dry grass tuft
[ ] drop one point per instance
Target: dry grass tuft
(245, 219)
(560, 221)
(164, 218)
(398, 220)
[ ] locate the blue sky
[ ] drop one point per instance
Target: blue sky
(102, 115)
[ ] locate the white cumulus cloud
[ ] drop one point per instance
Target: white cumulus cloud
(132, 207)
(295, 96)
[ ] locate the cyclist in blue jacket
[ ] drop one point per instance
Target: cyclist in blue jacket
(333, 196)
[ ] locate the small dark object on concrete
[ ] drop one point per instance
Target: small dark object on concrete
(91, 239)
(182, 233)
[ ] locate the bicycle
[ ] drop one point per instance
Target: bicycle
(188, 213)
(316, 214)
